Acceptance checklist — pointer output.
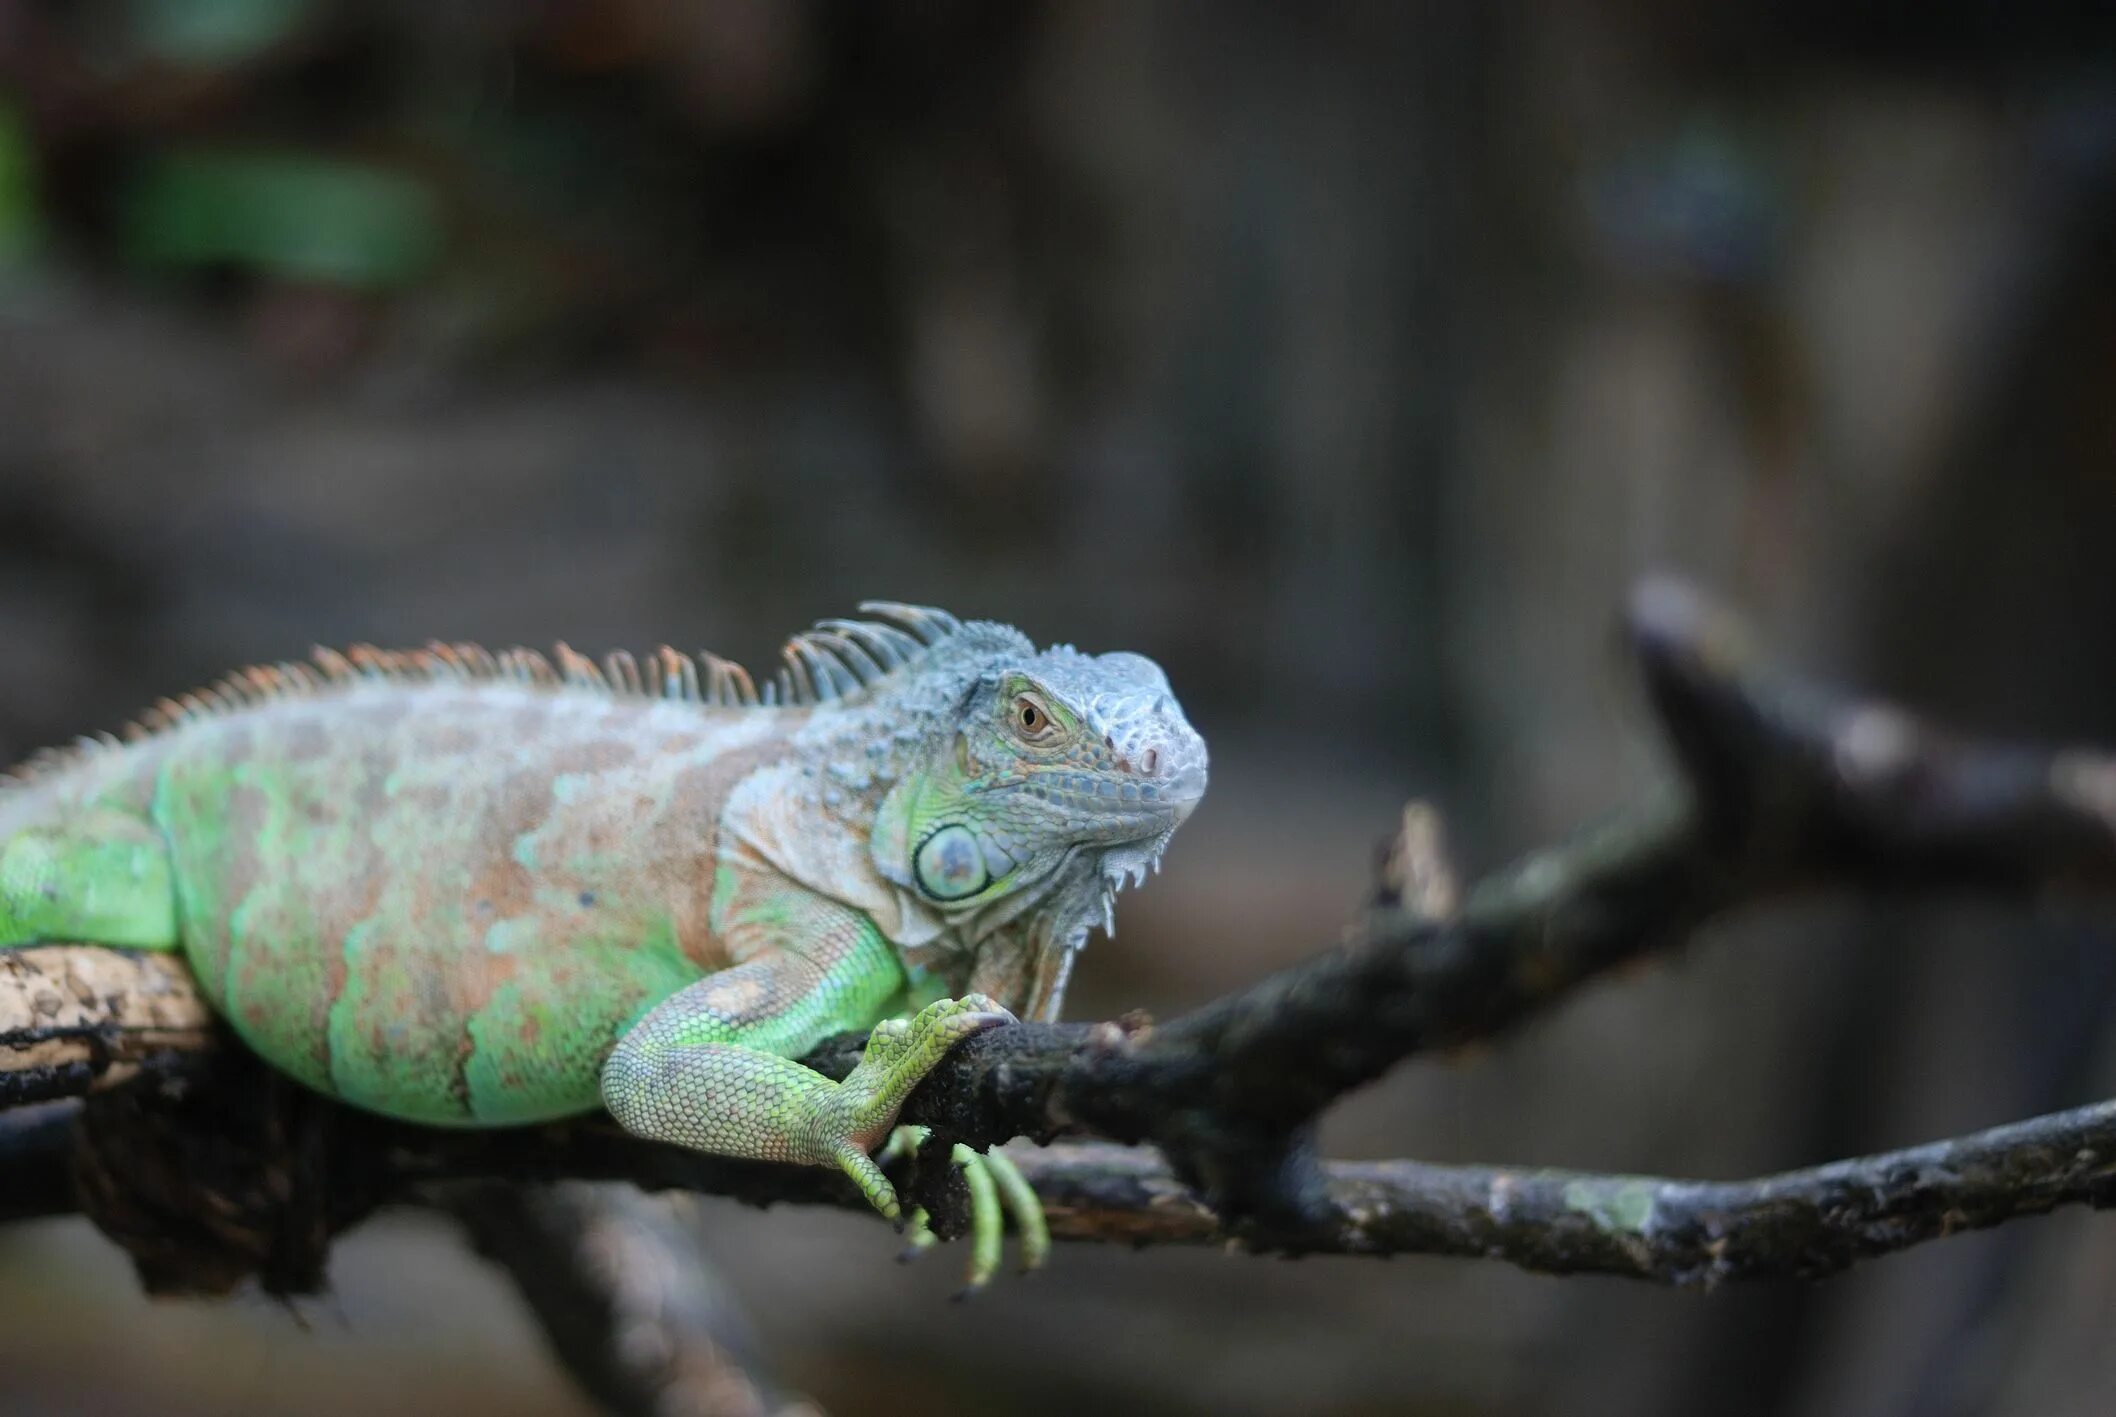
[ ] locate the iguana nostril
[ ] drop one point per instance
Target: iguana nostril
(1150, 762)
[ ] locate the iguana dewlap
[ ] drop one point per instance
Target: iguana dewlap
(479, 890)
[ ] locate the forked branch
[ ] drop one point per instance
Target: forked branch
(1780, 788)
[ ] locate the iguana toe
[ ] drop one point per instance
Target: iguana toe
(998, 1191)
(1025, 1206)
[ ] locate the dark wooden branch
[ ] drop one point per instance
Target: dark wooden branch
(75, 1018)
(1805, 1224)
(1780, 787)
(1808, 1223)
(1783, 787)
(625, 1294)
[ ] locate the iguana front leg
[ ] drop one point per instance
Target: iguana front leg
(712, 1067)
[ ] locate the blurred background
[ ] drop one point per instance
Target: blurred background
(1350, 359)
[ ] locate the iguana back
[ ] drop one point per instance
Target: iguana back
(410, 892)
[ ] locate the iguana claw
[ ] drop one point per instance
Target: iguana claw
(997, 1190)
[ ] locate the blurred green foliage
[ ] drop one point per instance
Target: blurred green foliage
(213, 32)
(294, 216)
(20, 228)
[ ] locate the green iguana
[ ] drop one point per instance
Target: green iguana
(482, 890)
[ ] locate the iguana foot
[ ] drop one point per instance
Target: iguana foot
(859, 1112)
(997, 1190)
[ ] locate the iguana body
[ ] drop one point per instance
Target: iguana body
(479, 891)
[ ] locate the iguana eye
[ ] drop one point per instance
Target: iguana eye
(1031, 719)
(949, 865)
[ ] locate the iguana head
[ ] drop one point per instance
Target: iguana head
(1055, 778)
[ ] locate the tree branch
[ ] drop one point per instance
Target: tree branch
(1781, 788)
(1808, 1223)
(1805, 1224)
(625, 1294)
(74, 1018)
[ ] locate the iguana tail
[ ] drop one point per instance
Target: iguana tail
(100, 875)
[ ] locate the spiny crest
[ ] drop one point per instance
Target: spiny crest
(836, 660)
(839, 658)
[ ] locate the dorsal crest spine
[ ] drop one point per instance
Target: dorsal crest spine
(838, 659)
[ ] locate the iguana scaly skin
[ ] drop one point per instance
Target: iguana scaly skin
(477, 890)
